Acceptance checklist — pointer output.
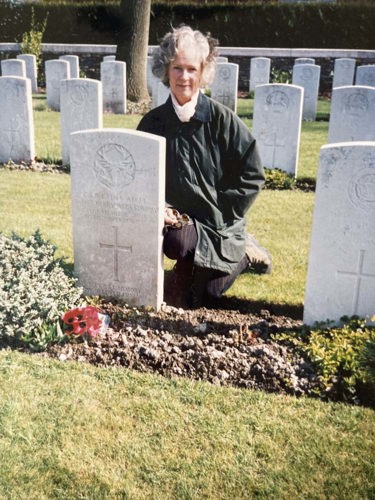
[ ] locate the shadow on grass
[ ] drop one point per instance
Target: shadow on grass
(248, 306)
(322, 117)
(249, 116)
(243, 306)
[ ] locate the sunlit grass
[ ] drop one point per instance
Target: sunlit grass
(313, 136)
(48, 140)
(75, 431)
(30, 201)
(280, 220)
(48, 128)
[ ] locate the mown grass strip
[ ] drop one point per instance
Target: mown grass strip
(76, 431)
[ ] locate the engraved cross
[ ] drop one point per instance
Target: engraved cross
(116, 249)
(274, 141)
(358, 275)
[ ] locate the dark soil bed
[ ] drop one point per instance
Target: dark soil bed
(232, 344)
(228, 345)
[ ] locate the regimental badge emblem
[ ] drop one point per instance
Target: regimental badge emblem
(114, 166)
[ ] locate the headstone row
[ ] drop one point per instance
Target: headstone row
(81, 108)
(343, 73)
(112, 75)
(306, 74)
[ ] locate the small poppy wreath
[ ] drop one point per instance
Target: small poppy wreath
(82, 321)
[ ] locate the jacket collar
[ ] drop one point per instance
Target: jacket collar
(202, 111)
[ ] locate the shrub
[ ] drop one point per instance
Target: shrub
(34, 292)
(31, 42)
(278, 179)
(280, 76)
(367, 363)
(367, 360)
(338, 355)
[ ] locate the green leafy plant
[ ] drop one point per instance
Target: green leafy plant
(367, 360)
(34, 291)
(31, 42)
(337, 354)
(280, 76)
(305, 183)
(278, 179)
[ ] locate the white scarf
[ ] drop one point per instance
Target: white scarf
(186, 111)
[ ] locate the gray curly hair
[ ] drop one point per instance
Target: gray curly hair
(176, 40)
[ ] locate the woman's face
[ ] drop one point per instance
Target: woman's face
(184, 74)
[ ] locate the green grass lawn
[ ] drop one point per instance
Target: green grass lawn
(73, 431)
(70, 430)
(30, 201)
(48, 141)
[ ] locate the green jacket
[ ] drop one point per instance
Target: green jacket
(213, 173)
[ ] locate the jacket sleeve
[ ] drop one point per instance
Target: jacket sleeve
(243, 173)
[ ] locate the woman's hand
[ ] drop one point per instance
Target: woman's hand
(171, 216)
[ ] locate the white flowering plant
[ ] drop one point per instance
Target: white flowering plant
(35, 291)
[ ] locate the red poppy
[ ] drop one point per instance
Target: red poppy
(82, 320)
(93, 323)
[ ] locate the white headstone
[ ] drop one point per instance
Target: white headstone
(260, 68)
(113, 77)
(365, 75)
(109, 58)
(352, 116)
(277, 125)
(225, 85)
(221, 59)
(117, 189)
(343, 72)
(308, 77)
(152, 80)
(81, 109)
(304, 60)
(31, 70)
(16, 120)
(13, 67)
(160, 94)
(56, 70)
(73, 64)
(341, 270)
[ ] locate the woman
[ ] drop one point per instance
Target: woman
(213, 171)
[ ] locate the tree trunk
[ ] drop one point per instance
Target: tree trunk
(132, 46)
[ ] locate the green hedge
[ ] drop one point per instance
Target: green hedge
(287, 25)
(267, 25)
